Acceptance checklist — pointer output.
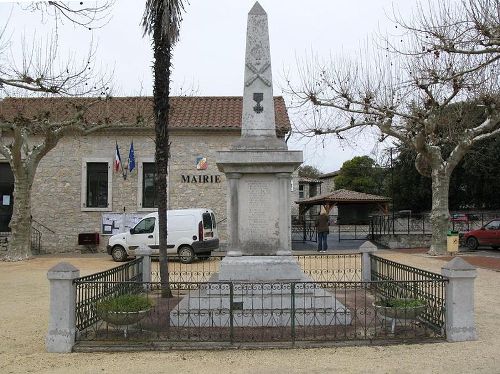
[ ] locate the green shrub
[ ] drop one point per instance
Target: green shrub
(402, 303)
(124, 303)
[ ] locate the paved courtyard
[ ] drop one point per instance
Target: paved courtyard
(24, 319)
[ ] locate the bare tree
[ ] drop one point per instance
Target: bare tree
(26, 134)
(162, 20)
(39, 69)
(448, 54)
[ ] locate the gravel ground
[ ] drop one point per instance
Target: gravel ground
(24, 320)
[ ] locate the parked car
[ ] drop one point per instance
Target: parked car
(488, 235)
(190, 233)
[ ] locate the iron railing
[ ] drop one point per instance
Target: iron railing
(96, 287)
(395, 280)
(421, 223)
(36, 241)
(352, 232)
(237, 313)
(334, 267)
(304, 230)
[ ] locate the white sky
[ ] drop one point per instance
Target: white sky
(210, 53)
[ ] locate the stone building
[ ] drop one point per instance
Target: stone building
(76, 189)
(328, 180)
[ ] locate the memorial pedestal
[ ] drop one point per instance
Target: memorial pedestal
(252, 291)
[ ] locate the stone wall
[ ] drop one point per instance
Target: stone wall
(404, 240)
(57, 188)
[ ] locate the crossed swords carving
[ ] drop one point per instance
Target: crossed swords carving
(257, 74)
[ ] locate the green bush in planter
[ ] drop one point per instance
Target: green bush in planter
(124, 309)
(401, 303)
(400, 308)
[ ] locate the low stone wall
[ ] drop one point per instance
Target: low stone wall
(404, 240)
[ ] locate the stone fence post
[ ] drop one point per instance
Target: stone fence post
(460, 325)
(145, 252)
(366, 249)
(62, 320)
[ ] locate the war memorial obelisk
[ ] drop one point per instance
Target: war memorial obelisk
(259, 264)
(258, 168)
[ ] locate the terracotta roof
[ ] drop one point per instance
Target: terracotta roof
(343, 196)
(195, 112)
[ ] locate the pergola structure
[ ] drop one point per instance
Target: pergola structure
(343, 197)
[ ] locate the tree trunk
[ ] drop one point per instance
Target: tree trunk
(161, 89)
(440, 213)
(20, 242)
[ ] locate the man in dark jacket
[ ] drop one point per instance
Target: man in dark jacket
(323, 230)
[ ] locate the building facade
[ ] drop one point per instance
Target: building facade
(77, 190)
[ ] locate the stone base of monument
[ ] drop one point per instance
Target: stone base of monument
(270, 294)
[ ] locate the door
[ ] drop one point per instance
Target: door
(6, 195)
(143, 233)
(490, 235)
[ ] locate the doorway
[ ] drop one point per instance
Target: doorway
(6, 196)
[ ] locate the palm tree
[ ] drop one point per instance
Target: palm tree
(162, 20)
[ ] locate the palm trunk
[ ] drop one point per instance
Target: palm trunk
(161, 109)
(440, 213)
(20, 224)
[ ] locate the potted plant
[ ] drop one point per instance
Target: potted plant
(402, 309)
(124, 309)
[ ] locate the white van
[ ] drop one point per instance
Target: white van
(190, 233)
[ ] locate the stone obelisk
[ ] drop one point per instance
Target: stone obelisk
(258, 168)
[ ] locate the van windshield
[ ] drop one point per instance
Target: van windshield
(207, 221)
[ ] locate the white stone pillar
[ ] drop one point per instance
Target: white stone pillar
(233, 214)
(285, 219)
(62, 320)
(460, 325)
(366, 249)
(145, 252)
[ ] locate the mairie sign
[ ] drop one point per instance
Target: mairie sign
(200, 178)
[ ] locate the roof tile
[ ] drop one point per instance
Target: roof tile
(195, 112)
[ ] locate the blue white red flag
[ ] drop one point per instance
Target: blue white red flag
(118, 160)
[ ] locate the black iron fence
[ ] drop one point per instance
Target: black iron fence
(397, 281)
(235, 313)
(36, 241)
(336, 305)
(343, 267)
(304, 230)
(352, 232)
(421, 223)
(96, 287)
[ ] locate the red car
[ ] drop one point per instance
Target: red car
(489, 235)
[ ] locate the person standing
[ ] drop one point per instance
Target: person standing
(323, 230)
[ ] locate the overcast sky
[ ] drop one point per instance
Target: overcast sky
(210, 54)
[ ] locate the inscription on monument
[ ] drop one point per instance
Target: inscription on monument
(259, 202)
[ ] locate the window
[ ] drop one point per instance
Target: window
(148, 185)
(97, 185)
(493, 225)
(301, 191)
(97, 182)
(146, 226)
(207, 221)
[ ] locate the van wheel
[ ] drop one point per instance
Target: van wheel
(118, 253)
(186, 254)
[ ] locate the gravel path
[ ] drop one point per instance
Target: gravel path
(24, 319)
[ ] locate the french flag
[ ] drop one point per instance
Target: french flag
(118, 160)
